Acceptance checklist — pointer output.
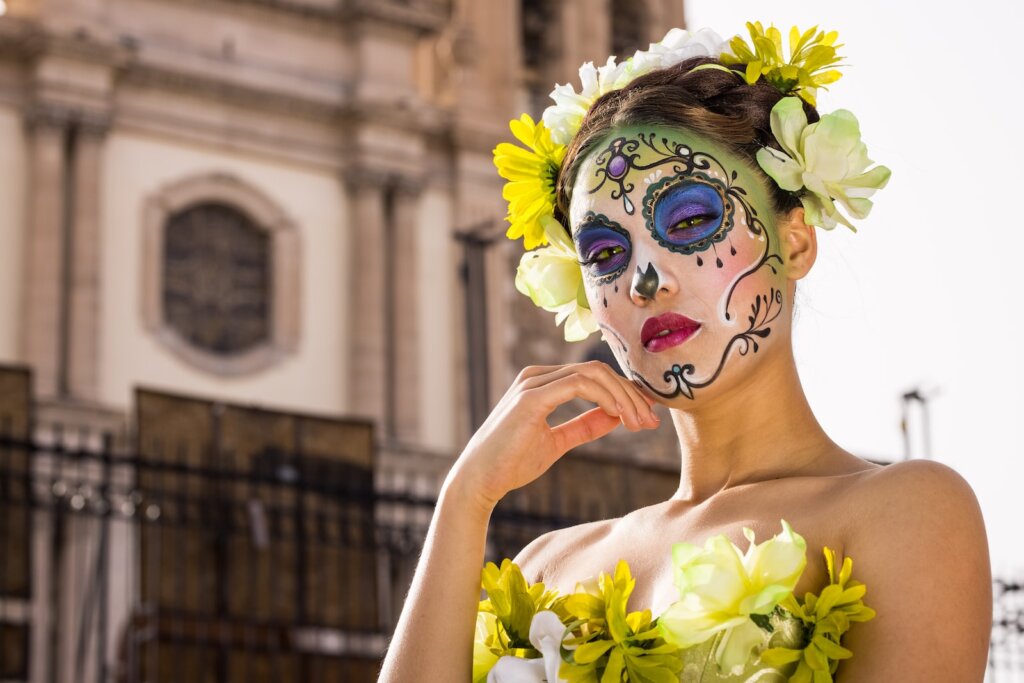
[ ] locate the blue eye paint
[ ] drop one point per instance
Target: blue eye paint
(688, 213)
(685, 214)
(604, 248)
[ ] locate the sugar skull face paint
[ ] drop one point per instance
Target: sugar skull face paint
(692, 227)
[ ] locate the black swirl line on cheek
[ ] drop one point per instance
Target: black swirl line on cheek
(613, 165)
(763, 311)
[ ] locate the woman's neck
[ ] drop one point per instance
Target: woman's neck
(762, 429)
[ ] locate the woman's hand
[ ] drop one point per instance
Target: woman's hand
(515, 444)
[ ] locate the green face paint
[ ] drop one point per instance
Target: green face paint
(692, 227)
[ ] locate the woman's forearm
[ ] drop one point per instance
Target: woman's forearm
(434, 637)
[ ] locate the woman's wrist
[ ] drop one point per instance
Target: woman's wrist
(465, 494)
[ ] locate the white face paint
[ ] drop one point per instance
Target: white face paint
(667, 222)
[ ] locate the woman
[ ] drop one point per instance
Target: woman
(674, 200)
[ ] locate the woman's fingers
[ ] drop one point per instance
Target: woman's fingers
(641, 404)
(582, 429)
(576, 385)
(634, 413)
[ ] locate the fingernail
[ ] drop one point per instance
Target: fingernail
(654, 416)
(618, 409)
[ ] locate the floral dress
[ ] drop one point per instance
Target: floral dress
(736, 620)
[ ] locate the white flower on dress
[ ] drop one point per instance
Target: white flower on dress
(546, 631)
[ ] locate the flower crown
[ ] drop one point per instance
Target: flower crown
(824, 163)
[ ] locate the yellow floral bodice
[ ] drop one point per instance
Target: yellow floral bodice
(736, 620)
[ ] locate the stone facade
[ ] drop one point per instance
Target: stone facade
(361, 130)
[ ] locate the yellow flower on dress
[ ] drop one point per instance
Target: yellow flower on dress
(607, 644)
(806, 70)
(826, 618)
(721, 588)
(531, 174)
(504, 618)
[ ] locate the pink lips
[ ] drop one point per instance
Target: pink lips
(680, 329)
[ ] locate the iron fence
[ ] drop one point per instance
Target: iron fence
(116, 567)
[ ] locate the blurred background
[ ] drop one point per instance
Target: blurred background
(255, 296)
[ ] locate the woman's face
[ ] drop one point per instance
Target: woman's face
(682, 265)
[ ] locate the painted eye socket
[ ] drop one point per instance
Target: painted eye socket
(688, 213)
(604, 249)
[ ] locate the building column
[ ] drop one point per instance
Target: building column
(43, 330)
(86, 241)
(407, 300)
(367, 269)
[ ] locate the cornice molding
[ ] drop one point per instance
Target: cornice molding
(419, 15)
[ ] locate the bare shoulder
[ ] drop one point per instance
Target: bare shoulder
(542, 556)
(917, 539)
(911, 498)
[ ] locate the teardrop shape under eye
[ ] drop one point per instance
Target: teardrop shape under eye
(688, 213)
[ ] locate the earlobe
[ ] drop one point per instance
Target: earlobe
(799, 244)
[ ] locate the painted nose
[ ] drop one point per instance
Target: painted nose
(645, 283)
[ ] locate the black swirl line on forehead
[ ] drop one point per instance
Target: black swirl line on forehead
(615, 162)
(613, 165)
(666, 186)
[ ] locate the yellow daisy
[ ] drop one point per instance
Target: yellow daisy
(826, 618)
(811, 53)
(531, 174)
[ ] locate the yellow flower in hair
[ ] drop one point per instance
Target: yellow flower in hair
(826, 618)
(531, 174)
(811, 53)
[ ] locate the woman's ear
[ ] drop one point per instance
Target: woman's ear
(799, 244)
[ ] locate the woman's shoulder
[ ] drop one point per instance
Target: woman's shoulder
(905, 490)
(908, 502)
(918, 541)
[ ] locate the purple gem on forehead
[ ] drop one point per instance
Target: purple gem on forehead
(617, 166)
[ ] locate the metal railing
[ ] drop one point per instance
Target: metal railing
(120, 568)
(116, 567)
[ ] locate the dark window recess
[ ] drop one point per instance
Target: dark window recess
(216, 278)
(536, 19)
(627, 28)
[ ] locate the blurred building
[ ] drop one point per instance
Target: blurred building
(272, 226)
(286, 202)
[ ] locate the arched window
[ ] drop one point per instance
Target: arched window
(221, 275)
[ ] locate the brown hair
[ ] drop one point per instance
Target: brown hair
(711, 102)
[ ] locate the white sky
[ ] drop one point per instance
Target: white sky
(923, 295)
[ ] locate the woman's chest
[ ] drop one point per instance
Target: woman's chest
(645, 540)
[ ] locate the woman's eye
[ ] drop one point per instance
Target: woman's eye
(605, 254)
(691, 222)
(684, 215)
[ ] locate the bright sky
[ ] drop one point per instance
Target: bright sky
(922, 295)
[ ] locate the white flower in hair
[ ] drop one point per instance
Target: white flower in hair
(564, 117)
